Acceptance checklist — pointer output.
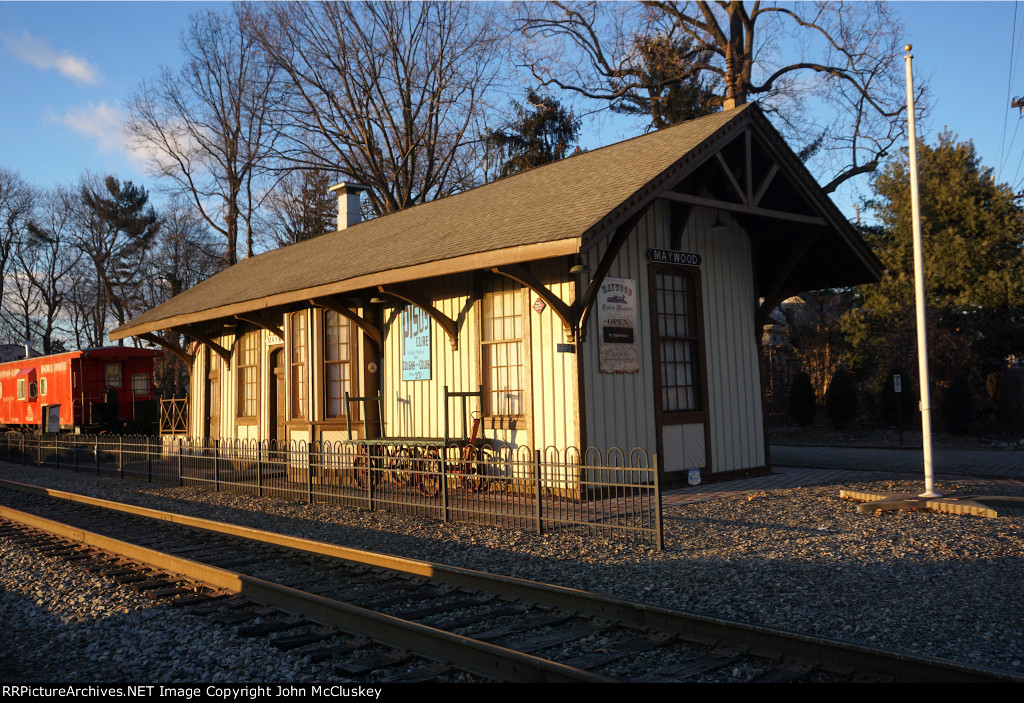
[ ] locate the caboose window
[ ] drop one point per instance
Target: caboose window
(21, 389)
(42, 386)
(140, 383)
(32, 390)
(112, 375)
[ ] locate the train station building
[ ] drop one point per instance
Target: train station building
(614, 298)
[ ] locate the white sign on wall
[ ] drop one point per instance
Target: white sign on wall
(616, 320)
(415, 344)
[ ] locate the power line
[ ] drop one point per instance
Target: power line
(1009, 84)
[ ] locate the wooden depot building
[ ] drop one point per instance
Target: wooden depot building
(614, 298)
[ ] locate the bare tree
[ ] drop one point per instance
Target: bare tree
(829, 73)
(301, 207)
(207, 126)
(16, 201)
(385, 94)
(47, 259)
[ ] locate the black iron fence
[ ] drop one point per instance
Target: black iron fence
(610, 493)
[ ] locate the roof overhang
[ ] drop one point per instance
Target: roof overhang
(460, 264)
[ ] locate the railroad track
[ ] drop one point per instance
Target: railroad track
(408, 620)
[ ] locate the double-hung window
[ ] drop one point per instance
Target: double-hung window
(297, 366)
(503, 352)
(337, 364)
(247, 355)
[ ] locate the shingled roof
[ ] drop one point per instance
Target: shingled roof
(547, 211)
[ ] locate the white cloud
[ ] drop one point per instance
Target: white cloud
(101, 122)
(36, 52)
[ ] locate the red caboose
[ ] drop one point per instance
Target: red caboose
(105, 389)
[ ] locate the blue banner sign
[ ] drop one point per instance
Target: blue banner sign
(415, 344)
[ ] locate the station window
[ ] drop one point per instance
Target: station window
(140, 384)
(247, 356)
(502, 339)
(337, 364)
(678, 340)
(297, 363)
(112, 375)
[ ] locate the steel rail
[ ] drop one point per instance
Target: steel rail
(828, 654)
(477, 657)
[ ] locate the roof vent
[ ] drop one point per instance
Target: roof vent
(348, 203)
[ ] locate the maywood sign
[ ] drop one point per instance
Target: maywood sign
(668, 256)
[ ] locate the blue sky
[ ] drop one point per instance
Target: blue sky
(66, 68)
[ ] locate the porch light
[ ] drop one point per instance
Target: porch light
(718, 225)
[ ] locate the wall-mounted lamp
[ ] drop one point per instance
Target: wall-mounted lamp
(580, 268)
(718, 225)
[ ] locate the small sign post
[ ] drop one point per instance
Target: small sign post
(897, 385)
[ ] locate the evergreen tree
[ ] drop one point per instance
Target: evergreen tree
(973, 234)
(116, 229)
(841, 403)
(671, 79)
(802, 405)
(542, 133)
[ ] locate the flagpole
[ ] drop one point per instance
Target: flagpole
(922, 336)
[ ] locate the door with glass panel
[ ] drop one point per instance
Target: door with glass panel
(679, 368)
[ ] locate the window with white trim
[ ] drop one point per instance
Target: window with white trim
(503, 349)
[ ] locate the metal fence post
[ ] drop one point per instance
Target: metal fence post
(149, 460)
(309, 472)
(444, 483)
(74, 452)
(180, 458)
(96, 455)
(216, 465)
(259, 469)
(659, 534)
(537, 491)
(120, 456)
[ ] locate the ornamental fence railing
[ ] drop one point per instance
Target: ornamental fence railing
(611, 493)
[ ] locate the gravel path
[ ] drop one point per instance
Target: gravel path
(802, 559)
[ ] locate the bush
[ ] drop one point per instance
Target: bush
(802, 403)
(957, 407)
(907, 399)
(841, 404)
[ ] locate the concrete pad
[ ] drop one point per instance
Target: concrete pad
(982, 506)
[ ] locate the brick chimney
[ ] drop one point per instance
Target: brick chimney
(348, 203)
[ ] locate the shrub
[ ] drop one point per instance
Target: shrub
(802, 403)
(841, 404)
(957, 407)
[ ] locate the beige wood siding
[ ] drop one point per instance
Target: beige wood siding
(620, 408)
(416, 408)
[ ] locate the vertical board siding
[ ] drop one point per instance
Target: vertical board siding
(416, 408)
(620, 408)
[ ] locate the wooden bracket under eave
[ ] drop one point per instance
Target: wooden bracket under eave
(520, 274)
(583, 304)
(169, 346)
(449, 325)
(369, 329)
(261, 321)
(208, 341)
(775, 296)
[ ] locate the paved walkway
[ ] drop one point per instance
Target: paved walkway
(808, 466)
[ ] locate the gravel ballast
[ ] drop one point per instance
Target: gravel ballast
(801, 559)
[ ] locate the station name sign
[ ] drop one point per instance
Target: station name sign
(669, 256)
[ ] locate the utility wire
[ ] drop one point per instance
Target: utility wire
(1009, 85)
